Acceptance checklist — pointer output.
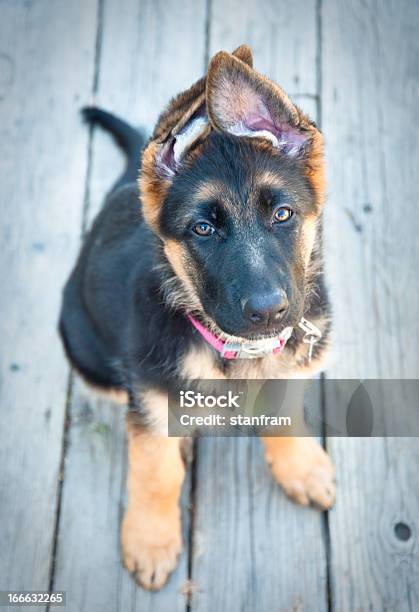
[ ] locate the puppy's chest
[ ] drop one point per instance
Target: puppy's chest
(203, 364)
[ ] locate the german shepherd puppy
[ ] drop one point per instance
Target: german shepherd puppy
(217, 246)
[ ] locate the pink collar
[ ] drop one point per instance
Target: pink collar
(247, 349)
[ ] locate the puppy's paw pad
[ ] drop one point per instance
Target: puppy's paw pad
(306, 473)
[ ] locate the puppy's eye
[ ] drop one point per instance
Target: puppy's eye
(203, 229)
(282, 214)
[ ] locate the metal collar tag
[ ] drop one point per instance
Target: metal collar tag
(312, 335)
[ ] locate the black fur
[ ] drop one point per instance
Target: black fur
(256, 258)
(117, 329)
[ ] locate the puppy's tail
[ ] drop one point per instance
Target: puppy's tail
(130, 140)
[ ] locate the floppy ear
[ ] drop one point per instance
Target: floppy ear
(182, 138)
(242, 102)
(185, 120)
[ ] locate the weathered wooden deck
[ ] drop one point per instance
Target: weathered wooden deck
(354, 65)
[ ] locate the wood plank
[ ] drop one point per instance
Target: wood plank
(369, 99)
(253, 548)
(161, 52)
(369, 104)
(43, 168)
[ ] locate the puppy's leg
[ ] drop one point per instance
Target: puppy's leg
(301, 466)
(151, 530)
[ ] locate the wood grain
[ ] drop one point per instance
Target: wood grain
(369, 101)
(253, 548)
(43, 167)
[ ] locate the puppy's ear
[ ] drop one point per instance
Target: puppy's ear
(181, 108)
(244, 54)
(186, 120)
(242, 102)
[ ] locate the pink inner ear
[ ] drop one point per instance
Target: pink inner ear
(290, 140)
(243, 111)
(165, 161)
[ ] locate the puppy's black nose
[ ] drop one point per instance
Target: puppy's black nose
(264, 308)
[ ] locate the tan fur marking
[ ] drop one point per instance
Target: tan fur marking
(209, 189)
(268, 177)
(176, 256)
(200, 364)
(302, 468)
(175, 253)
(316, 168)
(309, 231)
(285, 365)
(118, 396)
(155, 404)
(151, 537)
(153, 189)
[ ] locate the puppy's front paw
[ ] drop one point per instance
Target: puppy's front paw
(150, 547)
(303, 469)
